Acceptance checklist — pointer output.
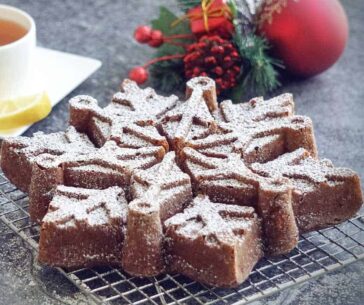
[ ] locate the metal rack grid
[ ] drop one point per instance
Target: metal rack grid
(316, 253)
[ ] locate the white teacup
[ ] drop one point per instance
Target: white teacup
(16, 57)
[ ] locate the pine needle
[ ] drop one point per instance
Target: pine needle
(261, 75)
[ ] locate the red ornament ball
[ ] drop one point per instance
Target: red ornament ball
(156, 39)
(139, 75)
(143, 34)
(308, 35)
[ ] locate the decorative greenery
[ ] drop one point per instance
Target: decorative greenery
(165, 20)
(259, 74)
(168, 75)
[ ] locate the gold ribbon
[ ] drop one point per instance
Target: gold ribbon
(206, 12)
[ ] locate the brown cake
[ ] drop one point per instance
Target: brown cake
(322, 194)
(266, 129)
(191, 119)
(258, 130)
(19, 154)
(159, 192)
(129, 119)
(108, 166)
(229, 180)
(253, 167)
(83, 228)
(214, 243)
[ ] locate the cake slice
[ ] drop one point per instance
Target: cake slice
(229, 180)
(213, 243)
(159, 192)
(192, 118)
(322, 194)
(129, 119)
(83, 228)
(108, 166)
(19, 154)
(259, 130)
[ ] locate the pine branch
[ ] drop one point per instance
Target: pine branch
(168, 76)
(260, 74)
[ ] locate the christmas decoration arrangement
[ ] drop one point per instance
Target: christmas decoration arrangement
(243, 45)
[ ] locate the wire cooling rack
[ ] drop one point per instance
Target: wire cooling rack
(315, 254)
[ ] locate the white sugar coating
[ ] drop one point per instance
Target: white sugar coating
(257, 109)
(231, 173)
(263, 130)
(189, 119)
(71, 206)
(110, 156)
(56, 144)
(165, 174)
(255, 126)
(223, 169)
(131, 111)
(130, 105)
(213, 221)
(207, 87)
(160, 183)
(304, 171)
(261, 142)
(141, 101)
(95, 169)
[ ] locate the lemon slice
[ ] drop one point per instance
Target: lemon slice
(24, 110)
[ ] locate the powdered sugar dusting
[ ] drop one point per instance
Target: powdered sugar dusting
(259, 130)
(61, 143)
(70, 206)
(133, 111)
(302, 169)
(215, 222)
(161, 184)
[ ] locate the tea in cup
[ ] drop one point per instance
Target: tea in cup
(17, 45)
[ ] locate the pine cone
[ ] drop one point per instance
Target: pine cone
(214, 57)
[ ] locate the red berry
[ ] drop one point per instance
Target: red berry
(237, 69)
(227, 62)
(218, 70)
(218, 80)
(201, 45)
(217, 50)
(210, 60)
(156, 39)
(139, 75)
(229, 47)
(234, 54)
(142, 34)
(196, 71)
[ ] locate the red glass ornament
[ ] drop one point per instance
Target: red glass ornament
(308, 35)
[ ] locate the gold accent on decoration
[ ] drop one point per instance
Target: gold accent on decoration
(206, 12)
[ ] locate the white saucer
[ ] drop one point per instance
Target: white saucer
(57, 73)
